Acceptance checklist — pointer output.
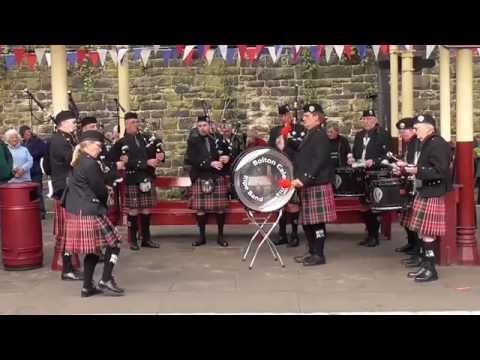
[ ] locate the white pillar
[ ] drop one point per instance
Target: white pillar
(59, 78)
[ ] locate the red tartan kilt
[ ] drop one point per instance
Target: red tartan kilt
(216, 201)
(428, 216)
(59, 220)
(87, 234)
(405, 217)
(135, 199)
(317, 205)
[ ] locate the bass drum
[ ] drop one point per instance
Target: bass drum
(257, 178)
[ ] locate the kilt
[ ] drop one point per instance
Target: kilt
(59, 220)
(86, 234)
(214, 202)
(317, 204)
(405, 217)
(135, 199)
(428, 216)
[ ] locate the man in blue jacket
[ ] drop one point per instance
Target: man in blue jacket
(37, 148)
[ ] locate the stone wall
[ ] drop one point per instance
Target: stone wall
(169, 97)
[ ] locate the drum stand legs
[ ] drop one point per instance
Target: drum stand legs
(266, 238)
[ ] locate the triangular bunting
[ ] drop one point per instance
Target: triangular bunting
(113, 55)
(278, 51)
(347, 50)
(408, 47)
(102, 55)
(328, 52)
(230, 55)
(189, 58)
(251, 51)
(321, 51)
(429, 51)
(136, 54)
(273, 55)
(145, 54)
(314, 53)
(188, 50)
(376, 49)
(10, 61)
(362, 51)
(121, 54)
(32, 61)
(209, 55)
(242, 51)
(81, 55)
(384, 49)
(223, 51)
(94, 58)
(166, 56)
(258, 50)
(179, 50)
(19, 55)
(200, 51)
(71, 58)
(156, 48)
(339, 50)
(48, 57)
(40, 53)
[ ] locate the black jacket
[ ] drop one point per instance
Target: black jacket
(200, 158)
(137, 169)
(380, 143)
(434, 167)
(312, 163)
(86, 193)
(411, 147)
(339, 148)
(7, 163)
(293, 141)
(232, 147)
(37, 148)
(60, 154)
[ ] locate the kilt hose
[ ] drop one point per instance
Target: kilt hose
(428, 216)
(87, 234)
(216, 201)
(135, 199)
(59, 220)
(317, 204)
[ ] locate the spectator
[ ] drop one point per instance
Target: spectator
(253, 139)
(38, 149)
(6, 163)
(22, 160)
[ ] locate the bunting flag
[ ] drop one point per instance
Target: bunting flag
(48, 57)
(186, 53)
(362, 51)
(166, 56)
(145, 54)
(179, 50)
(258, 50)
(384, 49)
(155, 49)
(209, 55)
(347, 50)
(328, 52)
(71, 58)
(102, 55)
(94, 58)
(10, 61)
(252, 52)
(314, 53)
(321, 51)
(223, 51)
(81, 55)
(408, 47)
(113, 55)
(339, 50)
(200, 50)
(121, 54)
(19, 54)
(430, 49)
(40, 53)
(136, 54)
(376, 49)
(242, 51)
(205, 49)
(278, 51)
(296, 54)
(32, 61)
(230, 55)
(273, 55)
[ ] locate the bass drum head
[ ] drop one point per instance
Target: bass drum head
(256, 175)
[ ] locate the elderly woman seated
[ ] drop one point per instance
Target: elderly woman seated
(22, 160)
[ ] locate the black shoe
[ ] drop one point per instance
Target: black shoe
(110, 288)
(412, 252)
(430, 274)
(405, 248)
(90, 292)
(373, 241)
(415, 262)
(299, 259)
(282, 239)
(364, 242)
(313, 260)
(221, 242)
(72, 276)
(414, 274)
(294, 240)
(150, 244)
(199, 242)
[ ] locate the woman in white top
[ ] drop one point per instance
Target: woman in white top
(22, 160)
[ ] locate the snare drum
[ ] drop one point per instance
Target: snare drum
(349, 182)
(387, 194)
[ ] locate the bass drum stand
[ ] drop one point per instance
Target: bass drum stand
(265, 239)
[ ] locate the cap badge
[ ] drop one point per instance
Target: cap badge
(311, 108)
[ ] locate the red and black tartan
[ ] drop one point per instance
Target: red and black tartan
(59, 221)
(135, 199)
(214, 202)
(428, 216)
(86, 234)
(405, 217)
(317, 204)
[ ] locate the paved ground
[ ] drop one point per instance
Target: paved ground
(180, 279)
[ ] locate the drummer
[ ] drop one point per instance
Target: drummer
(369, 148)
(339, 146)
(282, 138)
(410, 156)
(313, 174)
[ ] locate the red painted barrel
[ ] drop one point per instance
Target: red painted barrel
(21, 227)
